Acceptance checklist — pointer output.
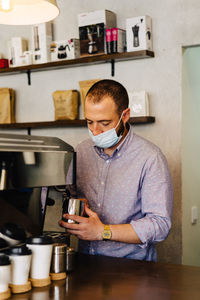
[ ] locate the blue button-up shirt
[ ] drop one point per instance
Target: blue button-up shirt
(133, 186)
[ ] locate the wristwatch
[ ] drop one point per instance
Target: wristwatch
(107, 234)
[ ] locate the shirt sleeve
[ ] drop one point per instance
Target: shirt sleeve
(156, 191)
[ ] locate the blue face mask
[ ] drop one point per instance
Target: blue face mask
(108, 138)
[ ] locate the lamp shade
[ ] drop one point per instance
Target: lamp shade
(27, 12)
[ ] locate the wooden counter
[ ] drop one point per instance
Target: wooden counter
(96, 277)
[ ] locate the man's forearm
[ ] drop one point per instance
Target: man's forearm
(91, 228)
(124, 233)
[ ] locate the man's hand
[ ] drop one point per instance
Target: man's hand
(89, 229)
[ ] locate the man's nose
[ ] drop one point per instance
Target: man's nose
(95, 129)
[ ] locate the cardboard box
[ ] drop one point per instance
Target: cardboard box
(92, 31)
(138, 103)
(24, 59)
(16, 47)
(115, 40)
(66, 49)
(139, 34)
(74, 48)
(118, 40)
(42, 36)
(109, 40)
(3, 63)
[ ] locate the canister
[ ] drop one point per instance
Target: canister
(70, 259)
(58, 261)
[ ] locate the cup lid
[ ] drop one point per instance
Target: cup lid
(3, 243)
(18, 250)
(4, 260)
(39, 240)
(13, 231)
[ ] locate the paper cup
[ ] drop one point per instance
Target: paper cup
(20, 257)
(5, 272)
(41, 256)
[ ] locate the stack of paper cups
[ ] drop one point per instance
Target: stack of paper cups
(41, 247)
(20, 257)
(5, 272)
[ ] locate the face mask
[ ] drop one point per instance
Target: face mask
(108, 138)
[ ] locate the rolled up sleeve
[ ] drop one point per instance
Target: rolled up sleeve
(156, 192)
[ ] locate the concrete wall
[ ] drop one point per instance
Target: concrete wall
(175, 23)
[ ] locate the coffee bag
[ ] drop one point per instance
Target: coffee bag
(66, 104)
(85, 85)
(7, 106)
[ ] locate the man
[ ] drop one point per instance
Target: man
(125, 180)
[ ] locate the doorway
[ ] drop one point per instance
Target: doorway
(191, 155)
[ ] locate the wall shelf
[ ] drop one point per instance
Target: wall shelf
(82, 61)
(67, 123)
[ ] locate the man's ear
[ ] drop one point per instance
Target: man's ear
(126, 115)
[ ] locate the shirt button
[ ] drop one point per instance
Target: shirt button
(99, 204)
(102, 183)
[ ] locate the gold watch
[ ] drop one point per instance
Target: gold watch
(107, 234)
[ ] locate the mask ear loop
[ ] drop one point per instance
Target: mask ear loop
(119, 120)
(121, 134)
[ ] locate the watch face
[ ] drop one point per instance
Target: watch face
(106, 234)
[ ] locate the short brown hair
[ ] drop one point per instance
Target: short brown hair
(110, 88)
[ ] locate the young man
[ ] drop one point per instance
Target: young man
(125, 180)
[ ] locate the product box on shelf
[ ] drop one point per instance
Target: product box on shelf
(16, 48)
(109, 40)
(66, 49)
(25, 59)
(4, 63)
(92, 31)
(118, 40)
(139, 33)
(115, 40)
(138, 103)
(42, 36)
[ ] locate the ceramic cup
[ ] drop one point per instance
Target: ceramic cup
(20, 257)
(12, 233)
(5, 272)
(41, 247)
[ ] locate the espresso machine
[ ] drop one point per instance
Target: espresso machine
(33, 172)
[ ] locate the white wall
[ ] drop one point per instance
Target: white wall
(175, 23)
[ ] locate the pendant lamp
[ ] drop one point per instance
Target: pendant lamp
(27, 12)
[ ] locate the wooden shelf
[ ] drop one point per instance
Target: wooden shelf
(95, 59)
(69, 63)
(69, 123)
(82, 61)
